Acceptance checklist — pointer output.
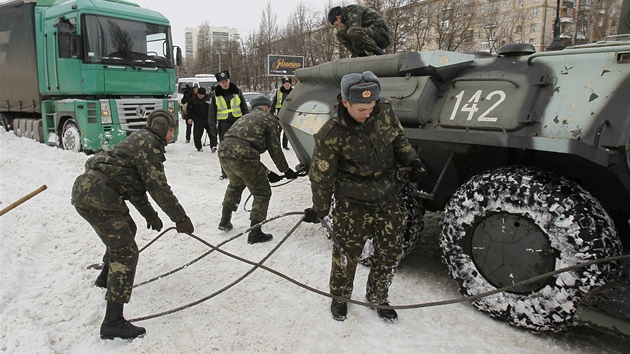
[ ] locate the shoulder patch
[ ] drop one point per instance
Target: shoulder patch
(322, 165)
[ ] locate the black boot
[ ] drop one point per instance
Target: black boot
(387, 315)
(101, 280)
(339, 310)
(116, 326)
(256, 235)
(226, 216)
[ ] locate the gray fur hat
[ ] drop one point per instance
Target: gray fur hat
(260, 101)
(360, 88)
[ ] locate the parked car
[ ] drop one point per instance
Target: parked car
(249, 96)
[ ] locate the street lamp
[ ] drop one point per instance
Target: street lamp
(556, 44)
(217, 52)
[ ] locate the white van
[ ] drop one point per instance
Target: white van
(200, 80)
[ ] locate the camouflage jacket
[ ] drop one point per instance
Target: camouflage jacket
(262, 131)
(134, 167)
(358, 162)
(361, 16)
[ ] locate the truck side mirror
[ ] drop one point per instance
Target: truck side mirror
(178, 56)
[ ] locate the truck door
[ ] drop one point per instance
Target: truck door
(62, 53)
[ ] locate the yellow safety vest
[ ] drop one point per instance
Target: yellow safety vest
(222, 109)
(278, 99)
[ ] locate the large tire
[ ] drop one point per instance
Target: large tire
(513, 223)
(71, 136)
(414, 213)
(4, 122)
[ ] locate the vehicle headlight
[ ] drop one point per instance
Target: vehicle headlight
(106, 114)
(171, 106)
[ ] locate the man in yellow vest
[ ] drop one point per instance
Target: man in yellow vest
(226, 106)
(277, 102)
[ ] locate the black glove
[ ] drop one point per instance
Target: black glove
(185, 226)
(418, 172)
(310, 216)
(155, 223)
(290, 174)
(273, 177)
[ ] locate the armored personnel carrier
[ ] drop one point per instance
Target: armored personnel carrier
(528, 155)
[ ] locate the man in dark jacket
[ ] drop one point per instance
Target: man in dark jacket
(360, 29)
(356, 156)
(127, 172)
(278, 101)
(188, 94)
(198, 111)
(239, 153)
(226, 106)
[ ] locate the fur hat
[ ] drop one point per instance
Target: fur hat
(286, 79)
(223, 75)
(159, 121)
(333, 13)
(260, 101)
(360, 88)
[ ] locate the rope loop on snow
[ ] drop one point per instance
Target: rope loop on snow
(260, 265)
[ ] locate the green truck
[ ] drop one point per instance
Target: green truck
(83, 74)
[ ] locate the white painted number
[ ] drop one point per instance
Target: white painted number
(471, 105)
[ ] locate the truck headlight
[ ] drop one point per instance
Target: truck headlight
(171, 106)
(106, 114)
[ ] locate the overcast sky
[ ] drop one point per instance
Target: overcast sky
(244, 15)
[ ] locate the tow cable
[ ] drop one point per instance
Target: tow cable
(260, 265)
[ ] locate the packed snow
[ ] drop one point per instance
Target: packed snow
(48, 303)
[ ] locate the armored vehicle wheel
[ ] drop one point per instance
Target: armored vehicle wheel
(414, 212)
(513, 223)
(71, 136)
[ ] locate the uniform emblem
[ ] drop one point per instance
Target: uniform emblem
(367, 94)
(323, 165)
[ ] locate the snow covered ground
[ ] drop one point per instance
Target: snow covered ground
(48, 303)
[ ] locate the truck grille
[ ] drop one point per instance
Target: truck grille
(133, 112)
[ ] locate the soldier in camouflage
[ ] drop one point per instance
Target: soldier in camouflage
(360, 29)
(356, 156)
(239, 154)
(127, 172)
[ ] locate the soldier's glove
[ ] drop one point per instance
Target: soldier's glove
(185, 226)
(273, 177)
(154, 222)
(310, 216)
(418, 172)
(290, 174)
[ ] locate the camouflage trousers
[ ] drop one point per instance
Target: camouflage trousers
(117, 231)
(353, 225)
(245, 172)
(360, 40)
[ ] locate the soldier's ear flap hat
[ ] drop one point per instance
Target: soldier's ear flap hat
(360, 88)
(260, 101)
(223, 75)
(333, 13)
(160, 121)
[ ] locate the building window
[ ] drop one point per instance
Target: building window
(533, 28)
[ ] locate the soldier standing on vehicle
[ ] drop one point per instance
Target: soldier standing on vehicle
(278, 101)
(226, 106)
(239, 154)
(357, 153)
(360, 29)
(127, 172)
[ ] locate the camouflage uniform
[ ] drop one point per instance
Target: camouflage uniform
(256, 132)
(364, 30)
(131, 168)
(358, 163)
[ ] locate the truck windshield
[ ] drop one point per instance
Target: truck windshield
(111, 40)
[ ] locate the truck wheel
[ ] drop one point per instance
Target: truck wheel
(71, 136)
(513, 223)
(414, 212)
(4, 122)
